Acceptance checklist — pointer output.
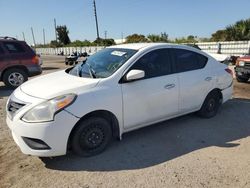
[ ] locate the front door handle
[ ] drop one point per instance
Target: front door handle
(169, 86)
(208, 79)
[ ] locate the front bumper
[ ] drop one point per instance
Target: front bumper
(55, 134)
(242, 70)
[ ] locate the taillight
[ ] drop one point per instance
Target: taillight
(229, 71)
(35, 59)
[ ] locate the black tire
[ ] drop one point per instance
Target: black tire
(91, 137)
(210, 106)
(242, 79)
(66, 62)
(13, 78)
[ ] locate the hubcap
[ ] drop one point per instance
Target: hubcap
(15, 79)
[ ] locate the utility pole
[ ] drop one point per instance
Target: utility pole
(24, 37)
(122, 37)
(33, 37)
(105, 34)
(43, 37)
(55, 28)
(96, 22)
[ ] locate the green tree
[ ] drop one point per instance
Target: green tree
(163, 37)
(63, 34)
(55, 44)
(238, 31)
(104, 42)
(136, 38)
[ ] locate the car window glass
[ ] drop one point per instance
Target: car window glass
(187, 60)
(13, 47)
(1, 51)
(155, 63)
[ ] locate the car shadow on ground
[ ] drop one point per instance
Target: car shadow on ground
(50, 68)
(5, 92)
(165, 141)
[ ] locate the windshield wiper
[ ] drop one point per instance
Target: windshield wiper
(91, 70)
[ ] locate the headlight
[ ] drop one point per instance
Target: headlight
(46, 111)
(241, 63)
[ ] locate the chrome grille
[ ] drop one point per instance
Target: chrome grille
(247, 64)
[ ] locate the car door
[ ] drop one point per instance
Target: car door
(194, 78)
(153, 98)
(3, 59)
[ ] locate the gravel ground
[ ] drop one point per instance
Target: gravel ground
(183, 152)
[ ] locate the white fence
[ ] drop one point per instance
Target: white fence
(230, 48)
(68, 50)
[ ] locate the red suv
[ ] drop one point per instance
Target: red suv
(17, 62)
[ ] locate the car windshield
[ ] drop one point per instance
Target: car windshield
(103, 63)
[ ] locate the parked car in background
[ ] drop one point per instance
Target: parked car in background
(116, 90)
(18, 61)
(242, 69)
(75, 58)
(222, 58)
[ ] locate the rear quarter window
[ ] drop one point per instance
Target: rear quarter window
(14, 47)
(188, 60)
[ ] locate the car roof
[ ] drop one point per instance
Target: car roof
(138, 46)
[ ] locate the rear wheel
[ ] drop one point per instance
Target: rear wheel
(91, 137)
(210, 106)
(13, 78)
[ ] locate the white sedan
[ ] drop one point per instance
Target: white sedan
(117, 90)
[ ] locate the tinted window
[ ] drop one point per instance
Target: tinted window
(1, 51)
(187, 60)
(155, 63)
(13, 47)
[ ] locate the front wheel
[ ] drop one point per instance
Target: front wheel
(13, 78)
(91, 137)
(210, 106)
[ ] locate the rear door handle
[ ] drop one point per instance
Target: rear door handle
(169, 86)
(208, 79)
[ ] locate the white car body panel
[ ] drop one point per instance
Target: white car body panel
(135, 104)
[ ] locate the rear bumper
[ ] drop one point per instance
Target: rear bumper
(227, 93)
(35, 70)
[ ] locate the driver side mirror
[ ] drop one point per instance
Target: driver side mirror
(134, 74)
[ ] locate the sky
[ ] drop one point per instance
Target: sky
(178, 18)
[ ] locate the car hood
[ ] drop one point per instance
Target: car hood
(56, 84)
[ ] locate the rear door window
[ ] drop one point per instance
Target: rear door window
(188, 60)
(13, 47)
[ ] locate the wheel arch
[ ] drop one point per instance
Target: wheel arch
(109, 116)
(14, 67)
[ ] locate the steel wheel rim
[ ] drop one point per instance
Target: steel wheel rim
(92, 138)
